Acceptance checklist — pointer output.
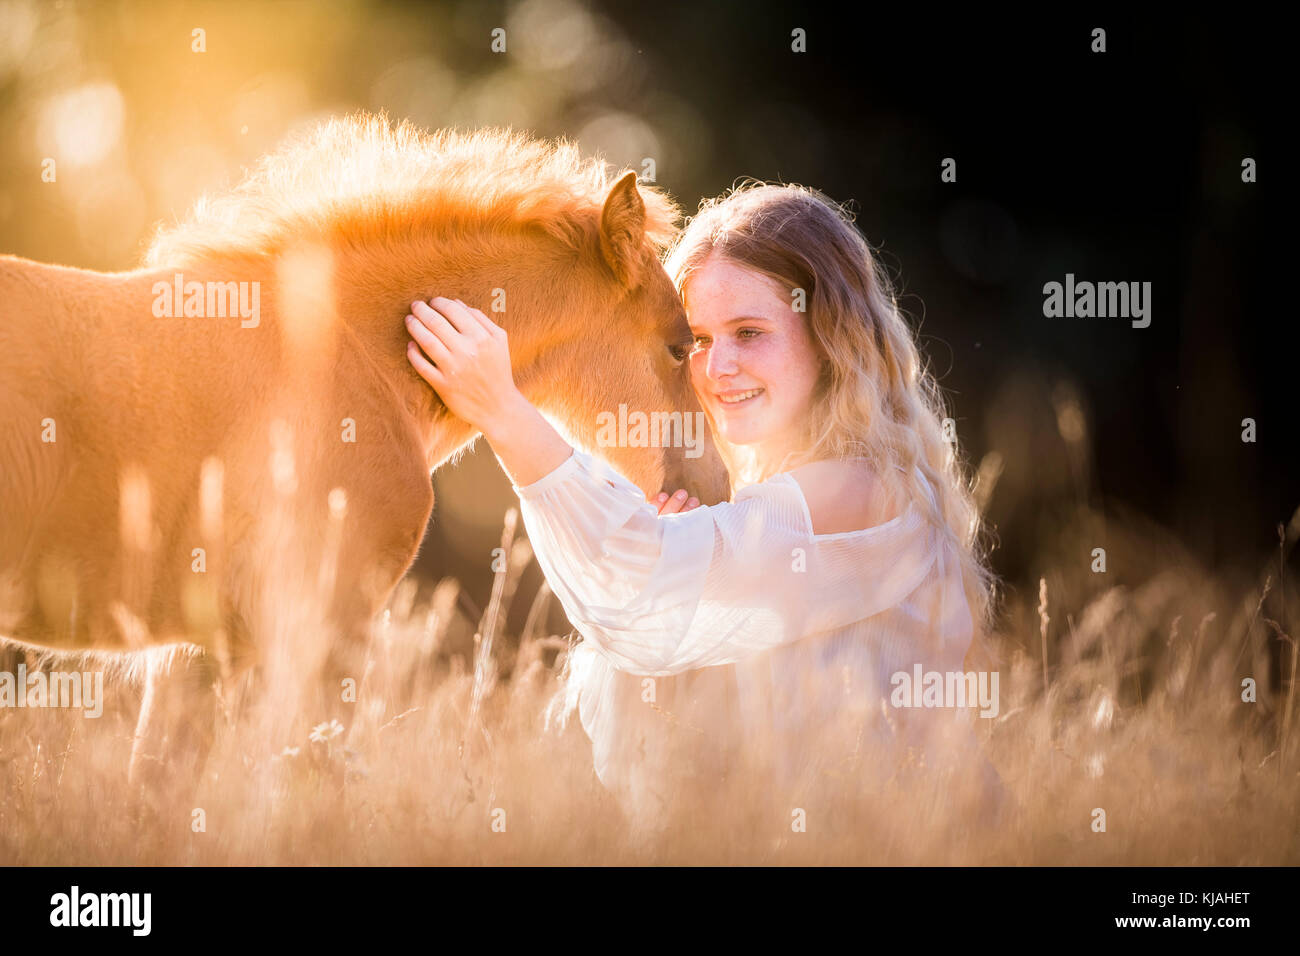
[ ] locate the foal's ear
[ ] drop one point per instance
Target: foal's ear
(622, 230)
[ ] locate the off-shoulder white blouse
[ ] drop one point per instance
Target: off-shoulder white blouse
(753, 631)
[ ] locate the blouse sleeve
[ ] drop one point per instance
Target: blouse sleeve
(659, 595)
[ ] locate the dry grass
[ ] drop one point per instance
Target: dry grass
(1142, 716)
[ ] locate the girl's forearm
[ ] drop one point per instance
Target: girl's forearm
(525, 443)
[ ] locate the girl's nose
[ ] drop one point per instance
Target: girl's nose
(721, 361)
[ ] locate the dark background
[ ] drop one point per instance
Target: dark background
(1120, 166)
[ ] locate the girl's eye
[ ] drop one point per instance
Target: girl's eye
(702, 341)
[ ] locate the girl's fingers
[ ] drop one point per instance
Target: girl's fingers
(671, 506)
(422, 366)
(434, 320)
(431, 344)
(458, 314)
(488, 325)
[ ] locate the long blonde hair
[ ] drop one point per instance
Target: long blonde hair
(873, 399)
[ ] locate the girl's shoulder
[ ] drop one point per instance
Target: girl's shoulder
(843, 495)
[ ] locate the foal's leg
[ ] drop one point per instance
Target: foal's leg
(175, 730)
(386, 514)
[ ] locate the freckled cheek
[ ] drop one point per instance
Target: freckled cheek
(769, 359)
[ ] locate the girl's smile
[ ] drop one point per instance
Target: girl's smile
(731, 400)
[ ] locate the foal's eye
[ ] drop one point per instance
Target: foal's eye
(679, 352)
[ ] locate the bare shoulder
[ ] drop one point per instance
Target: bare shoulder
(843, 495)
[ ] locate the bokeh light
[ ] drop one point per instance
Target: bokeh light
(81, 126)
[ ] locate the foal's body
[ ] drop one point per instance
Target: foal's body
(124, 389)
(180, 479)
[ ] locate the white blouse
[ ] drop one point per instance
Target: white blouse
(733, 630)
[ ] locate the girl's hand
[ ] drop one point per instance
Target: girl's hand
(468, 359)
(678, 502)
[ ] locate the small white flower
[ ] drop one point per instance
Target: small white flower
(290, 751)
(323, 733)
(1104, 716)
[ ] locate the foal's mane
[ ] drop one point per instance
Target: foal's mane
(358, 179)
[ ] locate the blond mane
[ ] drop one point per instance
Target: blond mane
(359, 180)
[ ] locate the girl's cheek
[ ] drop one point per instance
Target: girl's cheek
(766, 352)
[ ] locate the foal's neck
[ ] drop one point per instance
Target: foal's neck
(374, 290)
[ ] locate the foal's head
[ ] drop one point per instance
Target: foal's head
(605, 354)
(527, 230)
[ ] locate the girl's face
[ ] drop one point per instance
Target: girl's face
(754, 365)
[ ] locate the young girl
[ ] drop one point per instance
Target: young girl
(757, 640)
